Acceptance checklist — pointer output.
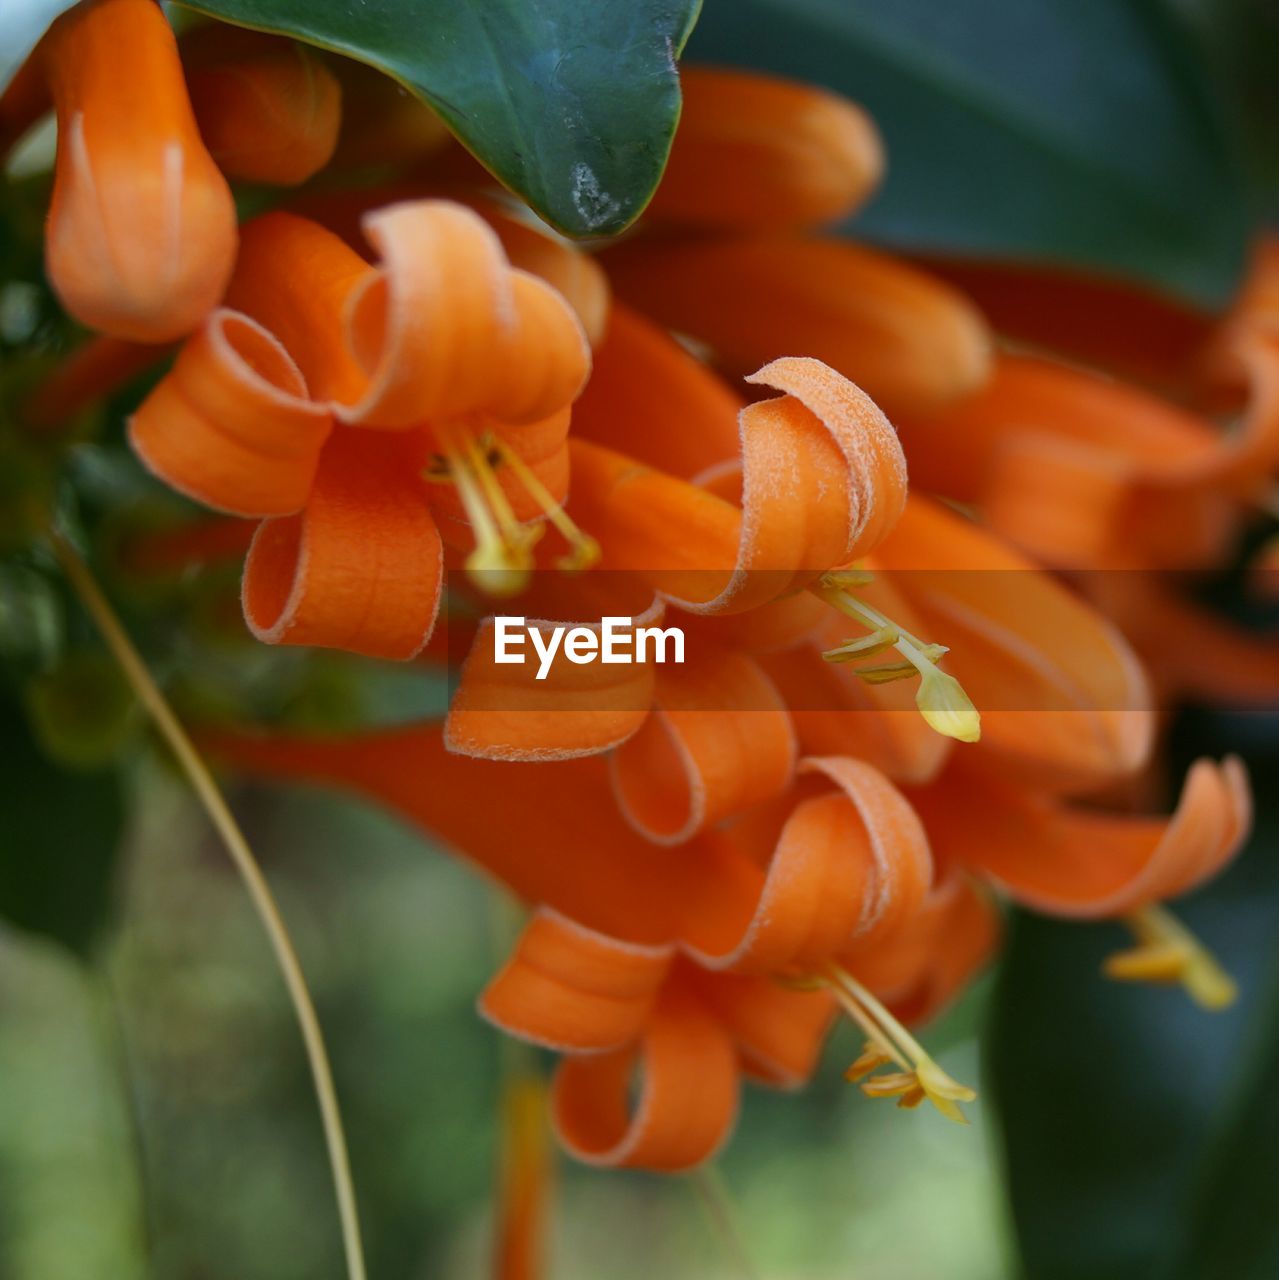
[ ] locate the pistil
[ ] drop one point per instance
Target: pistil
(940, 698)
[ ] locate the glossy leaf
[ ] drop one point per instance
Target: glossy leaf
(1141, 1134)
(1047, 129)
(61, 835)
(572, 105)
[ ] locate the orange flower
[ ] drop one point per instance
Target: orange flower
(526, 1176)
(268, 109)
(141, 232)
(319, 396)
(641, 948)
(611, 1007)
(705, 556)
(757, 152)
(756, 158)
(1086, 472)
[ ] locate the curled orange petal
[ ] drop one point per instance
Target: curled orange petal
(230, 424)
(360, 567)
(503, 711)
(823, 481)
(756, 151)
(445, 328)
(912, 342)
(570, 988)
(687, 1094)
(778, 1030)
(718, 740)
(293, 277)
(141, 232)
(848, 863)
(268, 108)
(1082, 864)
(573, 274)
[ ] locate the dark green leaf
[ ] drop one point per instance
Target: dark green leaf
(1242, 38)
(1141, 1134)
(571, 104)
(61, 834)
(1052, 130)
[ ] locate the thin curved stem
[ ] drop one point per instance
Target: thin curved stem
(718, 1203)
(202, 782)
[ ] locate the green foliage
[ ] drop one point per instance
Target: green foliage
(61, 834)
(1242, 38)
(572, 105)
(1054, 130)
(82, 710)
(1141, 1133)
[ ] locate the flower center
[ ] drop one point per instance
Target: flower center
(1166, 953)
(940, 698)
(502, 559)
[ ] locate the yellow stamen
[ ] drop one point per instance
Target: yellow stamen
(502, 559)
(941, 699)
(888, 1041)
(1167, 952)
(584, 550)
(893, 1085)
(872, 1058)
(864, 647)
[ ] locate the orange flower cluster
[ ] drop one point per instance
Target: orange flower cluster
(888, 711)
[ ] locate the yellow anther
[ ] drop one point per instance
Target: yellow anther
(892, 1085)
(865, 647)
(503, 557)
(584, 551)
(846, 579)
(872, 1057)
(918, 1077)
(941, 700)
(1168, 952)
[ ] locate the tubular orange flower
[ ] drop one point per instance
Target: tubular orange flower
(1086, 472)
(327, 388)
(912, 342)
(268, 108)
(756, 152)
(1109, 324)
(609, 1006)
(845, 484)
(599, 973)
(848, 862)
(141, 233)
(526, 1174)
